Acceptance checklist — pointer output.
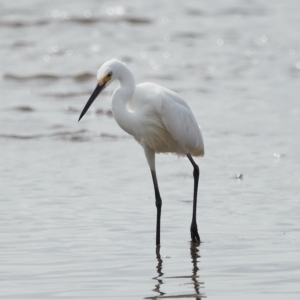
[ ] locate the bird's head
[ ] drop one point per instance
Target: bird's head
(105, 76)
(108, 72)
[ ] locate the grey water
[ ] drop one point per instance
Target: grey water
(77, 208)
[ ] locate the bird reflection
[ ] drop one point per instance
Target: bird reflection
(194, 252)
(159, 272)
(195, 255)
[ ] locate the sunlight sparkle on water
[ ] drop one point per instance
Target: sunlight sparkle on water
(46, 58)
(143, 54)
(119, 10)
(220, 42)
(151, 62)
(263, 39)
(95, 48)
(87, 14)
(292, 52)
(68, 52)
(60, 14)
(55, 48)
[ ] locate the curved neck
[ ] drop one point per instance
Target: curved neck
(120, 98)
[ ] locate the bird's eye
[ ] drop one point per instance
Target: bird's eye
(109, 74)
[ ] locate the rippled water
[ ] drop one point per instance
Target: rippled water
(77, 204)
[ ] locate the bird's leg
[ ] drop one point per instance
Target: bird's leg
(194, 230)
(158, 204)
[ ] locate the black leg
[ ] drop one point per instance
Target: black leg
(194, 230)
(158, 204)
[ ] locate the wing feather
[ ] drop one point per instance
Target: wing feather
(171, 125)
(180, 122)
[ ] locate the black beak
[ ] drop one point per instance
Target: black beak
(96, 92)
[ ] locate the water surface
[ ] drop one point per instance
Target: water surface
(77, 203)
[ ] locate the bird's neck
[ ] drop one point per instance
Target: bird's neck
(121, 96)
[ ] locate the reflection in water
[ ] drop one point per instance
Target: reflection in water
(159, 272)
(194, 251)
(194, 255)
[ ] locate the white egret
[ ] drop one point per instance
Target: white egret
(158, 118)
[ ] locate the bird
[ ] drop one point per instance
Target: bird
(159, 119)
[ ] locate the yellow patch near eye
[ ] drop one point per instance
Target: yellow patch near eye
(104, 79)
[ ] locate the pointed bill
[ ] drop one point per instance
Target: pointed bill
(96, 92)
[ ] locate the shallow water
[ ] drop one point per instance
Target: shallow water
(77, 204)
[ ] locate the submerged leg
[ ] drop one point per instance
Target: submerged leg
(158, 204)
(194, 230)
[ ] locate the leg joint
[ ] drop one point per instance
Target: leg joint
(196, 170)
(158, 203)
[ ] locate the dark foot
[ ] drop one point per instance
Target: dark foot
(195, 235)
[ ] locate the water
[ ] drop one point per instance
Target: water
(77, 203)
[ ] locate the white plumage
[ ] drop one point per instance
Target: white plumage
(167, 122)
(158, 118)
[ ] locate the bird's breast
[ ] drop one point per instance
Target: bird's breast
(152, 133)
